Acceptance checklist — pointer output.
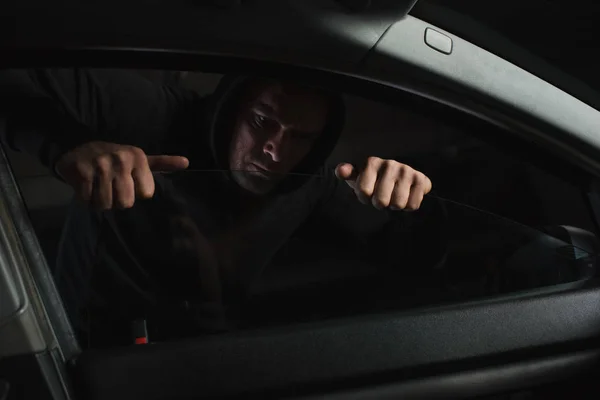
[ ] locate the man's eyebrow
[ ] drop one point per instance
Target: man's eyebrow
(264, 107)
(269, 109)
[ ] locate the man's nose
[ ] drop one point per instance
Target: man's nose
(275, 144)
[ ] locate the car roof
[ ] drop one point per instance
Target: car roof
(564, 34)
(331, 31)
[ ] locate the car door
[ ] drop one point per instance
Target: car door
(467, 349)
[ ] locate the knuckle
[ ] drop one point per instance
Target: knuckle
(136, 152)
(389, 163)
(420, 177)
(122, 156)
(103, 164)
(407, 172)
(392, 165)
(373, 161)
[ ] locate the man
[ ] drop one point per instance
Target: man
(110, 135)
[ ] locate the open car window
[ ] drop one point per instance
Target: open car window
(201, 259)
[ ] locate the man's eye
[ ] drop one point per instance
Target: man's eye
(259, 120)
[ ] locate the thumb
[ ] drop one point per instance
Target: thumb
(346, 172)
(167, 163)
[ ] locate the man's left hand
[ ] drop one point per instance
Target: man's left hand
(386, 183)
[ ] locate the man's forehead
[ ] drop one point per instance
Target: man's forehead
(281, 94)
(295, 103)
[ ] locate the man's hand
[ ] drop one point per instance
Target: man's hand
(108, 175)
(386, 183)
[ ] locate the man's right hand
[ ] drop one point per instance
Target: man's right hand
(109, 175)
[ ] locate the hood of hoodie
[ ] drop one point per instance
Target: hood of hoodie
(223, 106)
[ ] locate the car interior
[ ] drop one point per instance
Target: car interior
(509, 310)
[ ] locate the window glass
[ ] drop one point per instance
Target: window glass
(259, 225)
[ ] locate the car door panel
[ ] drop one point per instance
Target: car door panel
(366, 350)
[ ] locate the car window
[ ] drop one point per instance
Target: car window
(218, 250)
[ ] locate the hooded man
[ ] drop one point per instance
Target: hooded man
(111, 136)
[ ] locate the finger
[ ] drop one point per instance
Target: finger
(346, 171)
(365, 183)
(143, 181)
(167, 163)
(384, 187)
(421, 186)
(401, 194)
(102, 186)
(82, 182)
(102, 192)
(427, 185)
(84, 190)
(124, 191)
(417, 192)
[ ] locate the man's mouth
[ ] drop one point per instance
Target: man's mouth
(261, 170)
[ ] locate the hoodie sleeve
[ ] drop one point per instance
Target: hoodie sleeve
(48, 112)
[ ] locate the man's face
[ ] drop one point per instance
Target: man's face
(275, 129)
